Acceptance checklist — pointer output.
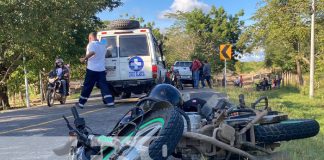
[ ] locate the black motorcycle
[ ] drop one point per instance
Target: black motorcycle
(176, 79)
(54, 90)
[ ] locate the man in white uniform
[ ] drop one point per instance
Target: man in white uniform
(95, 58)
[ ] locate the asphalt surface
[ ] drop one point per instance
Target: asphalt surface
(34, 133)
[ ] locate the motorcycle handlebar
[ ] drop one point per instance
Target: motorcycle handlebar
(259, 100)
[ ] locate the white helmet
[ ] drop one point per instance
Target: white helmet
(59, 61)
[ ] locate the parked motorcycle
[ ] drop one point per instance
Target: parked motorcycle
(215, 128)
(176, 79)
(54, 90)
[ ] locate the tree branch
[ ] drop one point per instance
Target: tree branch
(10, 67)
(305, 60)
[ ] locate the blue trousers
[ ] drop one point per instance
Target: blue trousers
(196, 78)
(91, 78)
(207, 78)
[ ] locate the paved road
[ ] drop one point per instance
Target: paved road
(34, 133)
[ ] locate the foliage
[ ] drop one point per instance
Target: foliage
(42, 30)
(282, 28)
(205, 32)
(248, 67)
(179, 45)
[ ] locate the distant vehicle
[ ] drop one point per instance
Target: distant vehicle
(134, 58)
(184, 70)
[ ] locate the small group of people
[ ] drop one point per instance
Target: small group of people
(238, 82)
(268, 84)
(200, 72)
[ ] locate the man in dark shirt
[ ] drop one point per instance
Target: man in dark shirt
(207, 73)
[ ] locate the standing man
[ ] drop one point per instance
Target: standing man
(201, 75)
(95, 57)
(195, 71)
(241, 81)
(207, 73)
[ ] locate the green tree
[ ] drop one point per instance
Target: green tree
(209, 30)
(282, 28)
(42, 30)
(179, 45)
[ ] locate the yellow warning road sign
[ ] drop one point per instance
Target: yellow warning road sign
(225, 52)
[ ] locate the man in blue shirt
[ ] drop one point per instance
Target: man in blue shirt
(95, 58)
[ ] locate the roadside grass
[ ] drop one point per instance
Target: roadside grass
(77, 94)
(289, 100)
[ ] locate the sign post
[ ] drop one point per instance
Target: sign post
(225, 54)
(225, 75)
(312, 56)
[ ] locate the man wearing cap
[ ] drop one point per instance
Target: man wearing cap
(95, 58)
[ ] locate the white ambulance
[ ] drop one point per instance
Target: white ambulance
(134, 61)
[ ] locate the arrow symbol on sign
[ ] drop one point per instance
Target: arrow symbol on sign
(224, 51)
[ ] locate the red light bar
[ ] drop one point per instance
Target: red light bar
(143, 30)
(103, 32)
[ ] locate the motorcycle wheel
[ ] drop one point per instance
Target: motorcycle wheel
(286, 130)
(50, 95)
(63, 100)
(159, 133)
(126, 95)
(180, 85)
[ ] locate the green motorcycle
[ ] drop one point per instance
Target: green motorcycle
(144, 132)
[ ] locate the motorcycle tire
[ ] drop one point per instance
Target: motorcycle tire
(63, 100)
(126, 95)
(167, 137)
(49, 98)
(180, 85)
(286, 130)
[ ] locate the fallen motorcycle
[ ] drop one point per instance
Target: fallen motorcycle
(213, 129)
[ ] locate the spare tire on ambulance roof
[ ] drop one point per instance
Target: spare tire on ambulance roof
(124, 24)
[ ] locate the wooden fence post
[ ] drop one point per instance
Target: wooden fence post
(3, 106)
(288, 77)
(14, 99)
(283, 80)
